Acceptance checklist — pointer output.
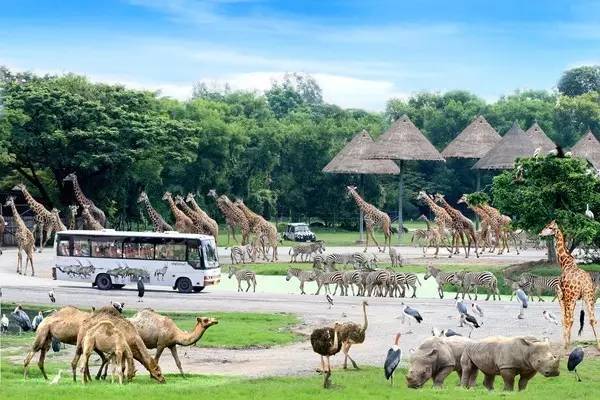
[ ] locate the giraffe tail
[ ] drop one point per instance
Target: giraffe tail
(581, 321)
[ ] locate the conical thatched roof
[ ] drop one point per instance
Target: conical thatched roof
(539, 138)
(475, 141)
(588, 147)
(403, 141)
(514, 144)
(350, 160)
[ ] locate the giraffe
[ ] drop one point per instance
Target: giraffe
(234, 217)
(487, 222)
(89, 222)
(574, 284)
(373, 217)
(58, 224)
(262, 229)
(196, 219)
(442, 219)
(210, 224)
(73, 217)
(461, 226)
(24, 239)
(159, 223)
(183, 223)
(82, 200)
(43, 219)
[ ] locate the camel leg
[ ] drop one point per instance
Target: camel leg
(176, 358)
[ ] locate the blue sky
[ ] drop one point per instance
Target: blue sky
(362, 53)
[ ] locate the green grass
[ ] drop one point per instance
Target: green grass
(235, 330)
(368, 383)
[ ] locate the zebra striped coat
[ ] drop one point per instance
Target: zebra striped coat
(441, 278)
(537, 284)
(243, 275)
(484, 279)
(303, 276)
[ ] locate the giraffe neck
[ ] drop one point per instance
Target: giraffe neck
(18, 220)
(564, 258)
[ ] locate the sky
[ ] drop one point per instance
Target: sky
(362, 53)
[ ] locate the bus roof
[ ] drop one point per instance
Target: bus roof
(112, 232)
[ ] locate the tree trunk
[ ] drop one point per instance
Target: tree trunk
(551, 251)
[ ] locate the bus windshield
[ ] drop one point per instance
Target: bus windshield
(210, 254)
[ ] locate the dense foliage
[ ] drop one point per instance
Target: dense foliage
(266, 148)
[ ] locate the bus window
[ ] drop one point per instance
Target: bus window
(81, 248)
(194, 255)
(138, 250)
(107, 248)
(63, 248)
(170, 250)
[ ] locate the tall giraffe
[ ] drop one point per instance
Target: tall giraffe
(24, 239)
(58, 224)
(211, 224)
(574, 284)
(82, 200)
(183, 223)
(262, 229)
(373, 217)
(487, 223)
(461, 227)
(234, 217)
(159, 223)
(89, 222)
(73, 217)
(187, 210)
(43, 219)
(442, 219)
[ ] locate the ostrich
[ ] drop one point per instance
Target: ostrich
(326, 343)
(352, 333)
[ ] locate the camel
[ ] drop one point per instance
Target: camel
(64, 325)
(105, 337)
(352, 333)
(160, 332)
(135, 342)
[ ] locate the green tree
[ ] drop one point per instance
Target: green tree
(580, 80)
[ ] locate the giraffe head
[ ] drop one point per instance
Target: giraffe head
(167, 196)
(190, 197)
(143, 197)
(212, 193)
(70, 178)
(10, 201)
(422, 195)
(20, 187)
(463, 199)
(438, 197)
(550, 229)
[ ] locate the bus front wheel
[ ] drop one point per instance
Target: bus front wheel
(198, 289)
(103, 282)
(184, 285)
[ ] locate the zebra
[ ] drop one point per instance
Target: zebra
(238, 254)
(379, 278)
(243, 275)
(441, 278)
(329, 278)
(307, 250)
(484, 279)
(537, 284)
(303, 276)
(352, 278)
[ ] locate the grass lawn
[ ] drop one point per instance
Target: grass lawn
(368, 383)
(235, 330)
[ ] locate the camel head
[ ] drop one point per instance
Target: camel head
(20, 187)
(206, 322)
(463, 199)
(212, 193)
(9, 201)
(167, 196)
(190, 196)
(550, 229)
(70, 178)
(143, 197)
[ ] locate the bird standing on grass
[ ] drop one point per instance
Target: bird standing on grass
(394, 355)
(141, 289)
(51, 296)
(575, 358)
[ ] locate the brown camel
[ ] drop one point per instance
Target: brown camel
(160, 332)
(64, 325)
(105, 337)
(352, 333)
(135, 342)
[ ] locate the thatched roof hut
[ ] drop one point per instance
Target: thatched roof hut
(475, 141)
(588, 147)
(514, 144)
(350, 160)
(539, 138)
(403, 141)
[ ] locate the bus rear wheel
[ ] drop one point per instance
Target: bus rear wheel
(103, 282)
(198, 289)
(184, 285)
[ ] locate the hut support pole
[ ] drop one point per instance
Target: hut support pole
(400, 199)
(477, 189)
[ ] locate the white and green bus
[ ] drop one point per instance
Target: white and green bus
(112, 259)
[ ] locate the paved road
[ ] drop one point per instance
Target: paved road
(313, 310)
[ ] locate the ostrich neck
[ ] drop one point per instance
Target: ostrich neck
(189, 338)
